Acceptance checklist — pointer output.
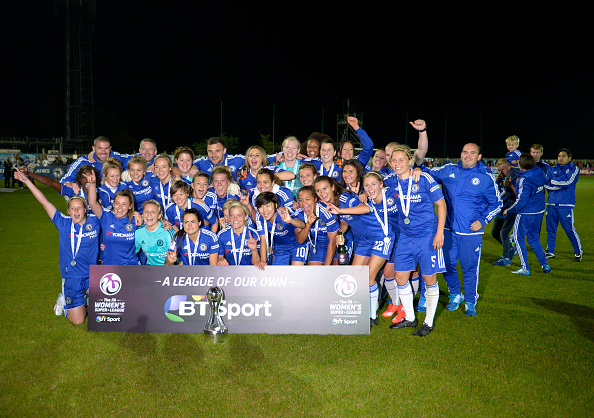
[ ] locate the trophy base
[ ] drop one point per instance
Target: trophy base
(217, 336)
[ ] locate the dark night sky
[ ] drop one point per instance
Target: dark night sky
(162, 71)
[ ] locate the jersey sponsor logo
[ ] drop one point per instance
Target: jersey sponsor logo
(121, 235)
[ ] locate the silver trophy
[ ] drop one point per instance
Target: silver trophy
(215, 330)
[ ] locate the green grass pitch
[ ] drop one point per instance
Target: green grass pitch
(528, 352)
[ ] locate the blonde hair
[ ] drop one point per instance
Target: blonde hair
(501, 161)
(262, 154)
(403, 148)
(512, 140)
(234, 203)
(291, 138)
(166, 158)
(153, 202)
(138, 159)
(374, 174)
(110, 163)
(537, 147)
(77, 197)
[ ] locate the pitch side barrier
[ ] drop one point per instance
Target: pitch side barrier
(278, 300)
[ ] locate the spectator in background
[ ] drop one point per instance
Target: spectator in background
(7, 172)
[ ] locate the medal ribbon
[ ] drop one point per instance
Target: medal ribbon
(405, 208)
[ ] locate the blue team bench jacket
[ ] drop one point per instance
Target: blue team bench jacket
(530, 190)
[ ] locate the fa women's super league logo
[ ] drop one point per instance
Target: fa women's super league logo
(110, 284)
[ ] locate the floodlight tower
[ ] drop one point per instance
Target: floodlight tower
(344, 132)
(79, 116)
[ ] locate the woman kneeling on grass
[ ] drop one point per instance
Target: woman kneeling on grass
(78, 236)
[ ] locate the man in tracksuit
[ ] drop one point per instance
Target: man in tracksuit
(529, 209)
(562, 180)
(473, 200)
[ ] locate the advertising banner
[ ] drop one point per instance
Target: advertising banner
(278, 300)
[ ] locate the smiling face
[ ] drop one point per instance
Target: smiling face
(313, 148)
(307, 201)
(347, 151)
(148, 151)
(324, 191)
(136, 172)
(87, 177)
(162, 170)
(349, 175)
(307, 176)
(151, 215)
(327, 153)
(191, 224)
(112, 177)
(220, 182)
(373, 187)
(254, 159)
(264, 183)
(470, 155)
(400, 163)
(180, 198)
(77, 211)
(236, 218)
(184, 163)
(268, 211)
(216, 152)
(200, 186)
(121, 206)
(102, 150)
(511, 146)
(290, 150)
(379, 160)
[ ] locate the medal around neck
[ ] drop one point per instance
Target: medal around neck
(215, 329)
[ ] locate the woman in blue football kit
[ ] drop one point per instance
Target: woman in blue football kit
(421, 237)
(320, 229)
(267, 182)
(162, 180)
(117, 228)
(192, 245)
(238, 242)
(78, 236)
(255, 159)
(180, 201)
(111, 182)
(277, 230)
(329, 191)
(376, 242)
(325, 164)
(140, 184)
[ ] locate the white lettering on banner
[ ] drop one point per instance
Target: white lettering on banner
(189, 281)
(346, 307)
(228, 310)
(108, 305)
(273, 281)
(327, 299)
